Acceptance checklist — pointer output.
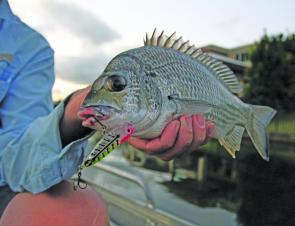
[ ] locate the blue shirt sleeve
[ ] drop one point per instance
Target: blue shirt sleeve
(33, 158)
(31, 154)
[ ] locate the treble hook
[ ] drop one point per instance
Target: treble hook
(80, 184)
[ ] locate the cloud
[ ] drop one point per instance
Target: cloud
(228, 23)
(80, 22)
(82, 70)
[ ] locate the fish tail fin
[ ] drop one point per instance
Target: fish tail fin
(259, 119)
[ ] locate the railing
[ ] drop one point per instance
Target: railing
(135, 178)
(147, 211)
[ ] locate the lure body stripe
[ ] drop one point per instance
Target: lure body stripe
(102, 150)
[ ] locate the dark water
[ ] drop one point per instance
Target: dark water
(267, 192)
(260, 193)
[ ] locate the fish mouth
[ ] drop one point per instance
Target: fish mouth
(95, 115)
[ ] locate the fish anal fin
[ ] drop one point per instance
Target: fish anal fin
(228, 148)
(232, 141)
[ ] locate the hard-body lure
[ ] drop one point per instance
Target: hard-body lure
(110, 141)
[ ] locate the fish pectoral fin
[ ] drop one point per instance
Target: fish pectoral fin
(232, 141)
(190, 105)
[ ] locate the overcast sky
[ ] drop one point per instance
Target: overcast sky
(86, 36)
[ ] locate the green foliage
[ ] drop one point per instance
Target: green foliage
(284, 125)
(271, 79)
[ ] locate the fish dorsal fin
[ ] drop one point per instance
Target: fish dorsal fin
(220, 70)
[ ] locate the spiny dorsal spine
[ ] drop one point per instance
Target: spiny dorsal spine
(220, 70)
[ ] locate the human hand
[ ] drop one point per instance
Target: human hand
(76, 100)
(180, 136)
(71, 124)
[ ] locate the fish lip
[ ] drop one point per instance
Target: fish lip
(101, 107)
(101, 112)
(93, 116)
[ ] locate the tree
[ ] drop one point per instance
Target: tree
(271, 79)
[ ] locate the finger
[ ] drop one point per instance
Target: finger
(166, 140)
(137, 142)
(159, 144)
(199, 131)
(184, 140)
(210, 128)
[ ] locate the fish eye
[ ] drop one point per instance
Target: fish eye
(115, 83)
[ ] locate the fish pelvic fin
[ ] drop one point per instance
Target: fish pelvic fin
(232, 141)
(259, 119)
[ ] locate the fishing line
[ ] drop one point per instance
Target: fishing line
(100, 123)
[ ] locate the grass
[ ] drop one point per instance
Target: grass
(283, 125)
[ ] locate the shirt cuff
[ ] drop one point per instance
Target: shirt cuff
(59, 163)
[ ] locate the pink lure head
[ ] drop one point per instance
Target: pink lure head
(127, 132)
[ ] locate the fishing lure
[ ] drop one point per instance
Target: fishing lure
(105, 146)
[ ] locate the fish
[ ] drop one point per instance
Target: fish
(151, 85)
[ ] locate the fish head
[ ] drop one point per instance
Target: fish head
(118, 97)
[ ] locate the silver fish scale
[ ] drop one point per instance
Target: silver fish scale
(132, 99)
(125, 63)
(185, 75)
(153, 104)
(122, 62)
(189, 79)
(194, 89)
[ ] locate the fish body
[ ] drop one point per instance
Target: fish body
(151, 85)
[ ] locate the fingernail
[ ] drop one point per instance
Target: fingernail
(200, 121)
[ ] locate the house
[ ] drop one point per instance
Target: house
(238, 58)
